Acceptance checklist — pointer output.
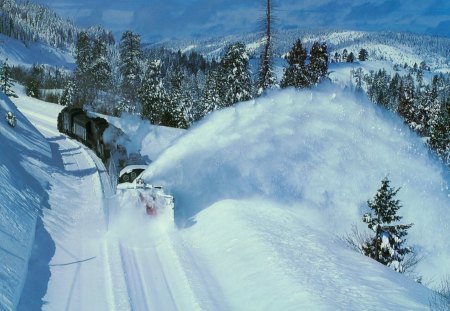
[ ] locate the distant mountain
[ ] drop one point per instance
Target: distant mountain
(30, 22)
(397, 47)
(157, 19)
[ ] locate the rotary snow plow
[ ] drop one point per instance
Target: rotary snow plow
(150, 198)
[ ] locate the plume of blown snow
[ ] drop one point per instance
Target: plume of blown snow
(320, 153)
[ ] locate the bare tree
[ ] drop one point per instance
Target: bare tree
(266, 78)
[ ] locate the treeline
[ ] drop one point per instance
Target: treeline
(173, 88)
(424, 107)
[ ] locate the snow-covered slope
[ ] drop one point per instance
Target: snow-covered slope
(264, 187)
(398, 48)
(18, 53)
(24, 165)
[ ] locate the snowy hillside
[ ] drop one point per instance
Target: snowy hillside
(25, 166)
(19, 53)
(395, 47)
(315, 155)
(261, 190)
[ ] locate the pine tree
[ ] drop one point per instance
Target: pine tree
(100, 69)
(350, 58)
(130, 63)
(235, 75)
(68, 97)
(295, 74)
(152, 95)
(439, 139)
(266, 76)
(406, 106)
(387, 246)
(175, 112)
(427, 111)
(6, 82)
(344, 55)
(211, 99)
(33, 83)
(83, 73)
(318, 65)
(363, 55)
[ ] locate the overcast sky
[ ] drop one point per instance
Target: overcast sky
(159, 19)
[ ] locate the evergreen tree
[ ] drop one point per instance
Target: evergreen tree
(337, 57)
(152, 95)
(378, 87)
(350, 58)
(235, 75)
(318, 64)
(266, 76)
(387, 246)
(394, 92)
(83, 61)
(211, 99)
(100, 69)
(344, 55)
(406, 106)
(33, 82)
(83, 56)
(6, 82)
(439, 139)
(130, 63)
(427, 111)
(175, 112)
(295, 74)
(68, 97)
(363, 55)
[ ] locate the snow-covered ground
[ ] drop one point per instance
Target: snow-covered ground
(17, 53)
(262, 190)
(25, 159)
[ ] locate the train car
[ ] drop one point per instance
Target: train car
(98, 127)
(65, 119)
(81, 128)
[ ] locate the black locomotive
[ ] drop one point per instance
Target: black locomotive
(77, 124)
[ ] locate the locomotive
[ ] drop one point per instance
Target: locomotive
(75, 123)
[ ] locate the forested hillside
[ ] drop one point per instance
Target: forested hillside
(30, 22)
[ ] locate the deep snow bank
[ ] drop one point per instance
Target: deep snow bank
(321, 154)
(24, 155)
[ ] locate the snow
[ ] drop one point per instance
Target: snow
(262, 191)
(24, 159)
(144, 137)
(18, 53)
(319, 155)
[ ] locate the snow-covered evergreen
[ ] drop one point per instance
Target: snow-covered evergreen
(235, 75)
(152, 94)
(295, 74)
(6, 81)
(131, 66)
(387, 246)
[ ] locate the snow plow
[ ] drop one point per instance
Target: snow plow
(150, 198)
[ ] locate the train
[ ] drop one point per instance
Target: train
(123, 167)
(90, 130)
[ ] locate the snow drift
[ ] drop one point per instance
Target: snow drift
(24, 158)
(318, 154)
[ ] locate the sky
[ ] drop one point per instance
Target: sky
(169, 19)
